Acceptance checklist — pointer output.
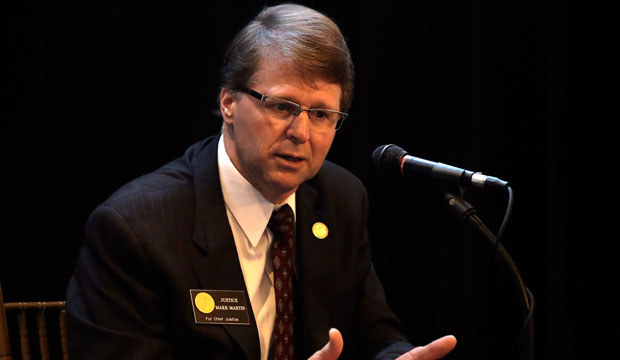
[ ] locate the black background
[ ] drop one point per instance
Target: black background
(100, 92)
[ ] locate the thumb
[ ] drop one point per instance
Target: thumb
(332, 349)
(435, 350)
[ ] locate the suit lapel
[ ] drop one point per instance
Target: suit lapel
(219, 268)
(221, 271)
(313, 266)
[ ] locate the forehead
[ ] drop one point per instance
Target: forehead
(278, 78)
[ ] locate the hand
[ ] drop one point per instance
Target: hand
(332, 349)
(434, 350)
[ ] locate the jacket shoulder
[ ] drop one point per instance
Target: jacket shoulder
(172, 180)
(335, 178)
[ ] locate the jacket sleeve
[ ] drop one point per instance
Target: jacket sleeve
(340, 284)
(379, 333)
(113, 311)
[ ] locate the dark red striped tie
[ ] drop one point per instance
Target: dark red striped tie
(283, 226)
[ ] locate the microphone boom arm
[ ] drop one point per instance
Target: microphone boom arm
(466, 212)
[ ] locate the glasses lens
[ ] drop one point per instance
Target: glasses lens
(281, 109)
(324, 119)
(321, 120)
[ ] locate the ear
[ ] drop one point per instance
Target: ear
(227, 105)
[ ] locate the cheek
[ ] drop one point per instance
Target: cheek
(320, 148)
(255, 140)
(256, 128)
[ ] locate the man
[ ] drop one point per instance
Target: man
(187, 262)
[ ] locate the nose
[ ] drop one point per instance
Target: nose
(299, 128)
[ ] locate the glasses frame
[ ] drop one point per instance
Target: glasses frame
(255, 94)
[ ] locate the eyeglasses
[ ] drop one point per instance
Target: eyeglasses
(321, 120)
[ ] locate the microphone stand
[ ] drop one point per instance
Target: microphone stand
(465, 211)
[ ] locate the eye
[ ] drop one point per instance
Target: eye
(319, 114)
(323, 115)
(282, 107)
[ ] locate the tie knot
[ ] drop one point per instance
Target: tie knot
(282, 221)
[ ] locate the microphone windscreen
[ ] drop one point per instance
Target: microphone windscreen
(388, 157)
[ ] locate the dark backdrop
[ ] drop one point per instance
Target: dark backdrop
(99, 93)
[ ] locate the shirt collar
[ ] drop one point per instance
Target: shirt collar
(251, 210)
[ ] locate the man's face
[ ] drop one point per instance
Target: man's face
(273, 155)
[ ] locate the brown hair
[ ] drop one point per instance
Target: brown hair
(296, 35)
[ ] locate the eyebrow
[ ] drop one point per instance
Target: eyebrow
(320, 104)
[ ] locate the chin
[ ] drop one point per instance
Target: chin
(287, 184)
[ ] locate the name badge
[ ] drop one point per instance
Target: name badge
(219, 307)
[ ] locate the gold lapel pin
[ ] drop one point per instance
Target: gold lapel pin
(320, 230)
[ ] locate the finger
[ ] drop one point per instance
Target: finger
(434, 350)
(332, 349)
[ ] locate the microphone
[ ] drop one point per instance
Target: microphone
(391, 157)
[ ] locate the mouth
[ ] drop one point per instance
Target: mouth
(290, 158)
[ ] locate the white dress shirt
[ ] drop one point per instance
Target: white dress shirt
(248, 214)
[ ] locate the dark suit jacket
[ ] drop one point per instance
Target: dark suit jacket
(167, 232)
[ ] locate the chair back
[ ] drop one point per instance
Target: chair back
(21, 312)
